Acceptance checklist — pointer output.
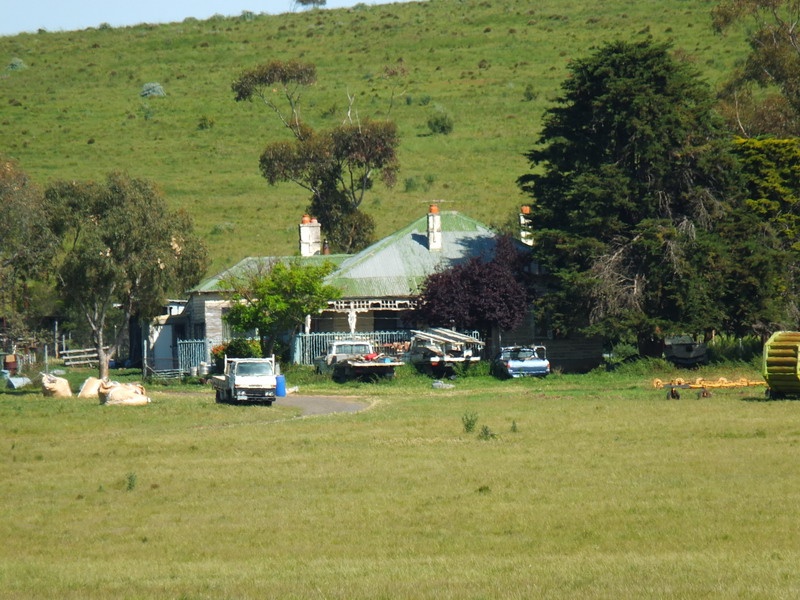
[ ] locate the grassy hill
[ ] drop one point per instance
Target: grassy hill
(71, 105)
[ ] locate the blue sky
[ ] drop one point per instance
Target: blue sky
(68, 15)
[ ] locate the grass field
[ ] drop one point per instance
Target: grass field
(576, 486)
(71, 106)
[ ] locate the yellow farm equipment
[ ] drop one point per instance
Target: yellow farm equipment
(703, 386)
(780, 366)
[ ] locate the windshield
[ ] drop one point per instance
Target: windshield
(522, 353)
(254, 368)
(351, 349)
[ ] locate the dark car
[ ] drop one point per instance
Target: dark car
(684, 351)
(521, 361)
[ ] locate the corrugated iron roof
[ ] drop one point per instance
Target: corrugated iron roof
(251, 263)
(394, 267)
(397, 265)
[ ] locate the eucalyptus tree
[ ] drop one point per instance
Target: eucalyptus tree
(337, 166)
(26, 244)
(311, 3)
(773, 64)
(123, 253)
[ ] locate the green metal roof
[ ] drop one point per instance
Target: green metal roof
(252, 263)
(394, 267)
(397, 265)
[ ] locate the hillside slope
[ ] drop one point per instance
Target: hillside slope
(71, 105)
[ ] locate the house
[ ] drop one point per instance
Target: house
(379, 285)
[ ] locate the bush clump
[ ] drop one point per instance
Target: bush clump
(235, 348)
(440, 123)
(16, 64)
(469, 420)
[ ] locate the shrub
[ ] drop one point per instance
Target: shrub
(469, 369)
(440, 123)
(205, 123)
(469, 420)
(725, 348)
(16, 64)
(411, 184)
(222, 228)
(620, 354)
(147, 112)
(243, 348)
(486, 433)
(236, 348)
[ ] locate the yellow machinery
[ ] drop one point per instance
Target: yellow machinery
(703, 386)
(781, 367)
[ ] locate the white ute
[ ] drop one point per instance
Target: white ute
(247, 380)
(348, 359)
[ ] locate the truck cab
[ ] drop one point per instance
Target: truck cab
(247, 380)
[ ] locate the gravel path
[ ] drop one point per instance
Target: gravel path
(322, 405)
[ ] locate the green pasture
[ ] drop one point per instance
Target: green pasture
(70, 104)
(575, 486)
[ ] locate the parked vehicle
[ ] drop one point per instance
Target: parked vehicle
(521, 361)
(437, 351)
(348, 359)
(683, 351)
(247, 380)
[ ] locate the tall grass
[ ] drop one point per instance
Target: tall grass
(591, 486)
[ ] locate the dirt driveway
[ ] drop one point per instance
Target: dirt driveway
(322, 405)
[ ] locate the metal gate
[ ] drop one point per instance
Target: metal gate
(191, 353)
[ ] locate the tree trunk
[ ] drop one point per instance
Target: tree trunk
(102, 358)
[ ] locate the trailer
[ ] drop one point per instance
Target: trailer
(355, 359)
(781, 364)
(437, 351)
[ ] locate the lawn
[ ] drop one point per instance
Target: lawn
(590, 486)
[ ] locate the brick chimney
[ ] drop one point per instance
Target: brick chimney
(434, 228)
(525, 234)
(310, 236)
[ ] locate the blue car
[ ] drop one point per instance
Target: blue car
(521, 361)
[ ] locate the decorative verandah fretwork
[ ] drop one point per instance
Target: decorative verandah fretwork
(352, 307)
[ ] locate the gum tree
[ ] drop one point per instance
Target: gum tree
(123, 253)
(337, 166)
(26, 244)
(773, 65)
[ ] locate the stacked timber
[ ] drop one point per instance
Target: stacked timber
(781, 364)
